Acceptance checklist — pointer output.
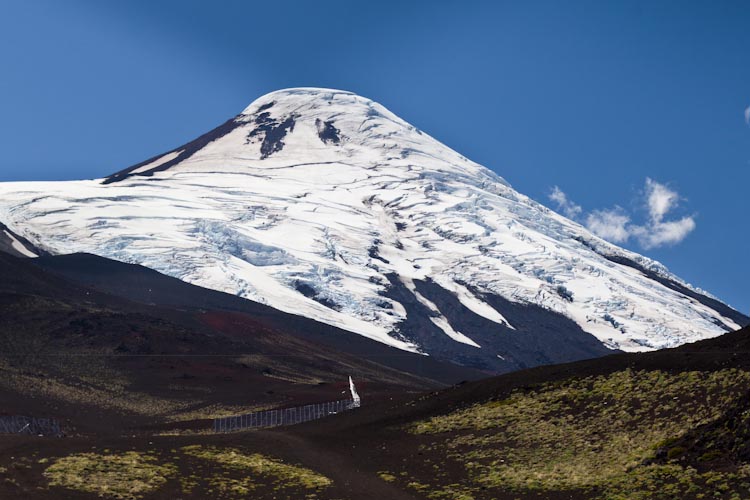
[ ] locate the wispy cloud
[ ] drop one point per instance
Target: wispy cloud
(747, 115)
(660, 199)
(610, 224)
(663, 233)
(564, 205)
(614, 224)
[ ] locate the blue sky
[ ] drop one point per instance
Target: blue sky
(614, 103)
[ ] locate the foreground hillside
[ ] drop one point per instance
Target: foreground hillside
(670, 424)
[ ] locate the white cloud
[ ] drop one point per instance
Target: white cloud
(611, 224)
(663, 233)
(747, 115)
(614, 224)
(567, 207)
(660, 200)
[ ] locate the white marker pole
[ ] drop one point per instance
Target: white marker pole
(355, 396)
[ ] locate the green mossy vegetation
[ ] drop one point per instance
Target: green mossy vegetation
(598, 435)
(386, 476)
(282, 475)
(233, 474)
(126, 476)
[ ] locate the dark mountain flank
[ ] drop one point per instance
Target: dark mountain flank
(110, 355)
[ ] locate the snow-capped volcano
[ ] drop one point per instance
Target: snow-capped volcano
(325, 204)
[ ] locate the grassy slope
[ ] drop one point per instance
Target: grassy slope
(670, 424)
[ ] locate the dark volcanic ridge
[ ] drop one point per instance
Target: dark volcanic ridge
(137, 348)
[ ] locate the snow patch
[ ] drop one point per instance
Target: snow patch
(18, 246)
(160, 161)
